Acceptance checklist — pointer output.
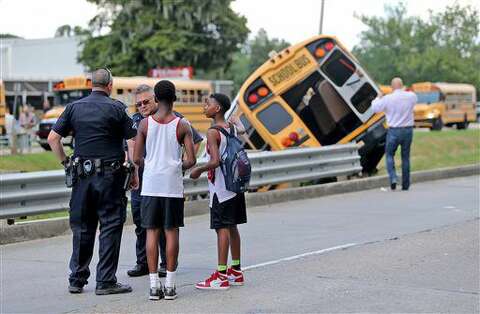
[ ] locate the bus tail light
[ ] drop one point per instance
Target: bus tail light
(253, 98)
(319, 52)
(257, 93)
(263, 91)
(293, 136)
(287, 142)
(329, 46)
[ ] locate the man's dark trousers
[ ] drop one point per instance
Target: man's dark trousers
(97, 198)
(399, 136)
(136, 201)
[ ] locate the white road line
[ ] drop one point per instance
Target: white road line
(294, 257)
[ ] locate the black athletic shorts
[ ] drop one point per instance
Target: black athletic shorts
(229, 213)
(162, 212)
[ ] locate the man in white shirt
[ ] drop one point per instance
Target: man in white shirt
(398, 108)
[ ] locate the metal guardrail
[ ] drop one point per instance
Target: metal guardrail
(25, 194)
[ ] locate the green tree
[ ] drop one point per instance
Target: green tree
(138, 35)
(252, 55)
(8, 36)
(64, 31)
(445, 47)
(261, 46)
(69, 31)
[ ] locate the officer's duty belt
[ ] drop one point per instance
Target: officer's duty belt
(89, 167)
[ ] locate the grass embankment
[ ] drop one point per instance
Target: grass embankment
(447, 148)
(29, 162)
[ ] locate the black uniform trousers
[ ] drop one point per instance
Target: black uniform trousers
(97, 198)
(140, 247)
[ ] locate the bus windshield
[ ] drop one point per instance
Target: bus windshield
(428, 97)
(65, 97)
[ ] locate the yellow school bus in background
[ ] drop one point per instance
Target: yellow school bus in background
(191, 96)
(312, 94)
(385, 89)
(446, 104)
(3, 107)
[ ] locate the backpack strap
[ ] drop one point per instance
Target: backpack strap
(223, 131)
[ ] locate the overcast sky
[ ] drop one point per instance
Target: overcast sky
(292, 20)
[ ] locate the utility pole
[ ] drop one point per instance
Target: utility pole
(321, 17)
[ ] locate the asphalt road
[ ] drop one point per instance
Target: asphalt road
(370, 251)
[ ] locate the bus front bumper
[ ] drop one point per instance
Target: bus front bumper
(424, 123)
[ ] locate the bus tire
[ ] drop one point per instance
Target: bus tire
(369, 162)
(463, 125)
(437, 124)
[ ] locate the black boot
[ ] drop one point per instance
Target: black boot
(112, 289)
(138, 270)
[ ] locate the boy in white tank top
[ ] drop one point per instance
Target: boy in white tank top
(227, 209)
(162, 135)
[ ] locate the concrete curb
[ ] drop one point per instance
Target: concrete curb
(54, 227)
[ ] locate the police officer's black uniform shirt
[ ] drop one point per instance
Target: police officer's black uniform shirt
(99, 123)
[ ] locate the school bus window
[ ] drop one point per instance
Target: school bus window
(253, 136)
(363, 97)
(192, 95)
(274, 118)
(428, 97)
(198, 98)
(205, 94)
(245, 122)
(65, 97)
(338, 68)
(184, 97)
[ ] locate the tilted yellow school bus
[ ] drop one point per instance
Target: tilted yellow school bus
(191, 96)
(442, 104)
(312, 94)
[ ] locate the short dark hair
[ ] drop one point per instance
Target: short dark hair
(222, 100)
(165, 91)
(101, 77)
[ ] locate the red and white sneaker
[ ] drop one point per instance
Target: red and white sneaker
(235, 277)
(217, 281)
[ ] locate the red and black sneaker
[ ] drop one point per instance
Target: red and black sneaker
(217, 281)
(235, 277)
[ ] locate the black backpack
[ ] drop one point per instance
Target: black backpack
(234, 162)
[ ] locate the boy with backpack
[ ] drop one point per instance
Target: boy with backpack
(228, 176)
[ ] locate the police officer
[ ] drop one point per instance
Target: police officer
(146, 105)
(100, 126)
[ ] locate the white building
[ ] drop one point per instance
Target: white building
(29, 67)
(39, 59)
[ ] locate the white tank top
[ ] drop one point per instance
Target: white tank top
(162, 174)
(216, 180)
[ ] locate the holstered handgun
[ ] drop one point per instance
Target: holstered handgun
(129, 169)
(70, 173)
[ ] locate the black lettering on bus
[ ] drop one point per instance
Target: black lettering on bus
(289, 70)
